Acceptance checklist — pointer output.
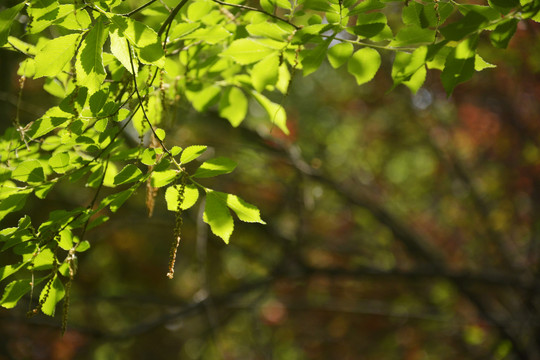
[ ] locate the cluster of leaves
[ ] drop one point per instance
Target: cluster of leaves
(112, 73)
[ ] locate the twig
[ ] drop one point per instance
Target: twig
(139, 8)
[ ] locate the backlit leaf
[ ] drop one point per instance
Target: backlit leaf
(214, 167)
(89, 64)
(233, 105)
(191, 194)
(191, 153)
(364, 64)
(217, 215)
(55, 54)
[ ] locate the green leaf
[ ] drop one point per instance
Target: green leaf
(8, 270)
(89, 64)
(183, 29)
(30, 171)
(146, 41)
(211, 35)
(191, 153)
(503, 6)
(162, 178)
(54, 295)
(417, 79)
(60, 162)
(191, 194)
(120, 50)
(66, 239)
(265, 72)
(366, 5)
(275, 111)
(270, 30)
(55, 55)
(312, 59)
(405, 64)
(339, 54)
(370, 25)
(247, 51)
(217, 215)
(245, 211)
(149, 157)
(14, 291)
(481, 64)
(7, 16)
(214, 167)
(502, 34)
(13, 202)
(129, 173)
(469, 24)
(84, 245)
(459, 65)
(201, 99)
(233, 105)
(364, 64)
(44, 260)
(411, 35)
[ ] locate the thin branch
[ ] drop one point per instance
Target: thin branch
(139, 8)
(171, 17)
(141, 102)
(245, 7)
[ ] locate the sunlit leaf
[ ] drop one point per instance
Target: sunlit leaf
(217, 215)
(364, 64)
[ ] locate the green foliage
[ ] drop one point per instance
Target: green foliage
(113, 68)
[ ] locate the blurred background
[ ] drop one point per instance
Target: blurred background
(399, 226)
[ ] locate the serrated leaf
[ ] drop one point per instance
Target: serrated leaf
(60, 162)
(143, 38)
(44, 260)
(191, 153)
(233, 105)
(149, 157)
(53, 56)
(247, 51)
(339, 54)
(312, 59)
(13, 202)
(162, 178)
(275, 111)
(7, 16)
(30, 171)
(201, 99)
(120, 50)
(481, 64)
(416, 80)
(503, 33)
(412, 34)
(217, 215)
(66, 239)
(89, 64)
(265, 72)
(129, 173)
(459, 65)
(183, 29)
(364, 64)
(405, 64)
(54, 295)
(245, 211)
(83, 246)
(269, 30)
(191, 195)
(214, 167)
(8, 270)
(469, 24)
(14, 291)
